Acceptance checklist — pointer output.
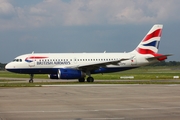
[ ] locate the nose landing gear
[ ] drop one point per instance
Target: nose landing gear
(31, 78)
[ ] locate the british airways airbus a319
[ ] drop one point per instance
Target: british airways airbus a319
(80, 65)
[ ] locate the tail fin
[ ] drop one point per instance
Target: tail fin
(150, 43)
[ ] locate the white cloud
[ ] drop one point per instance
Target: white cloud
(88, 12)
(6, 10)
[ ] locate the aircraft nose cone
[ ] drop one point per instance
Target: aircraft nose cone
(7, 67)
(12, 68)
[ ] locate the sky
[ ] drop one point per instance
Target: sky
(64, 26)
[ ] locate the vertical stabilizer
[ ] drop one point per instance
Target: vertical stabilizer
(150, 43)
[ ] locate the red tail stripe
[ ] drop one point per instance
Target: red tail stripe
(156, 33)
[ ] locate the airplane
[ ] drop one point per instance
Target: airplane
(80, 65)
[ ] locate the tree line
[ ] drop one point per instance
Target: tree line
(2, 66)
(163, 63)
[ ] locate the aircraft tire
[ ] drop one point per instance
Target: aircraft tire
(90, 79)
(81, 79)
(30, 81)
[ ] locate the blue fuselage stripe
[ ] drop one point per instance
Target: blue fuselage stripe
(55, 70)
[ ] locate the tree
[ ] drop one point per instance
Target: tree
(2, 66)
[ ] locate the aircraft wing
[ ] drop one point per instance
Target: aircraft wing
(91, 66)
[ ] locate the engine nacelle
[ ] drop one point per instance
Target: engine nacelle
(64, 73)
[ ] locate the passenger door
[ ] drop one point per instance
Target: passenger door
(32, 63)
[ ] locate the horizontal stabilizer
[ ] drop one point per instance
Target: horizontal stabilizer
(159, 57)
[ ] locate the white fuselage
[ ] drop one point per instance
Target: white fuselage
(44, 63)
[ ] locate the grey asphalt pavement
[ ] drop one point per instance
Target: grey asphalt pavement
(91, 102)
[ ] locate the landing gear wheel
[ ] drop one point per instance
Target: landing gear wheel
(30, 81)
(81, 79)
(90, 79)
(31, 78)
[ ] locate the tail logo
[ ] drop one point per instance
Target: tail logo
(150, 43)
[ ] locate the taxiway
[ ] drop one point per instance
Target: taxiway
(91, 102)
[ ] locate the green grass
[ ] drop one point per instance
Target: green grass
(146, 73)
(143, 73)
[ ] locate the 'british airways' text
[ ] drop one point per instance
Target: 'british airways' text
(54, 63)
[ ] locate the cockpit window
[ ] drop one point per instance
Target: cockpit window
(17, 60)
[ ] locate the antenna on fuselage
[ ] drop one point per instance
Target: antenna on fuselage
(33, 52)
(104, 51)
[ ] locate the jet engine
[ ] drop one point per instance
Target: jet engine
(67, 73)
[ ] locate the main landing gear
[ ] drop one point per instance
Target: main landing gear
(31, 78)
(89, 79)
(81, 79)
